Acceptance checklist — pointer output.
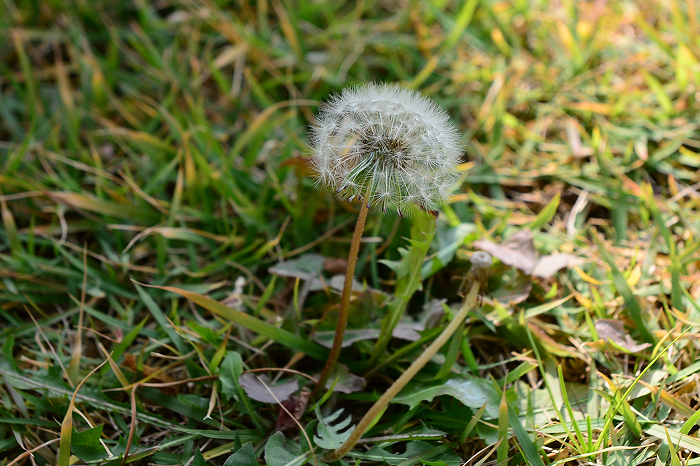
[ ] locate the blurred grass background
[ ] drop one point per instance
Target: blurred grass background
(164, 142)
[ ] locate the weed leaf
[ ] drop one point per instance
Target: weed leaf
(277, 453)
(259, 388)
(330, 436)
(471, 391)
(243, 457)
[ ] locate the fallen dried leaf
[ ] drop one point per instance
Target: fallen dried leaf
(347, 381)
(306, 267)
(406, 331)
(614, 331)
(547, 266)
(335, 266)
(295, 405)
(254, 386)
(517, 251)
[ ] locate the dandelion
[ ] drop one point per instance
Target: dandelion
(385, 146)
(392, 143)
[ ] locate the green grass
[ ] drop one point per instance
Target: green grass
(163, 143)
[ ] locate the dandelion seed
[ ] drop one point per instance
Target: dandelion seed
(392, 143)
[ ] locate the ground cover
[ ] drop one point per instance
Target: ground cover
(163, 243)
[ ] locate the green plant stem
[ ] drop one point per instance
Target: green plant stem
(401, 382)
(345, 297)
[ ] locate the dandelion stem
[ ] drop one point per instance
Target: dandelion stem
(397, 386)
(345, 297)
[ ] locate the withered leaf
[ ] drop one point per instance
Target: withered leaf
(256, 387)
(306, 267)
(615, 331)
(548, 265)
(406, 331)
(335, 265)
(517, 251)
(347, 381)
(514, 292)
(296, 405)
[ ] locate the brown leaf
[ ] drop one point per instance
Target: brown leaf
(335, 265)
(347, 381)
(406, 331)
(256, 387)
(547, 266)
(295, 405)
(517, 251)
(614, 331)
(337, 282)
(515, 291)
(305, 267)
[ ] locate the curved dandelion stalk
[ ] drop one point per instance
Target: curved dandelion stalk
(386, 146)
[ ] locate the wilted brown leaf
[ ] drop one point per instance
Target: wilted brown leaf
(295, 405)
(515, 292)
(256, 387)
(614, 330)
(347, 381)
(547, 266)
(517, 251)
(305, 267)
(406, 331)
(335, 265)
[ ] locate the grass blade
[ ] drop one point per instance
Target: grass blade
(278, 335)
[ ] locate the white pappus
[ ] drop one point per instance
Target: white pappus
(388, 143)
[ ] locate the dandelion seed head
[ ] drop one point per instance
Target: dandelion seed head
(393, 141)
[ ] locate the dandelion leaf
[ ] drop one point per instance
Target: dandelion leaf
(401, 267)
(470, 391)
(243, 457)
(198, 459)
(231, 370)
(279, 453)
(447, 241)
(86, 444)
(417, 452)
(330, 436)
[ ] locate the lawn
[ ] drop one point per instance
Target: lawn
(171, 271)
